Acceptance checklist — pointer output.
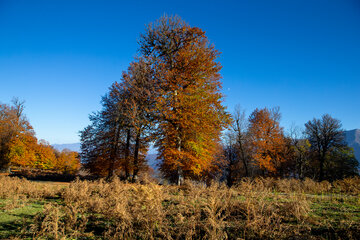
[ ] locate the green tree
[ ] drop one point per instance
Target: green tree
(324, 135)
(340, 163)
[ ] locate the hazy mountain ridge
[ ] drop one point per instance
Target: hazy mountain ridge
(152, 161)
(71, 146)
(352, 138)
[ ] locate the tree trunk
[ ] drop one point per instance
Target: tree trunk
(136, 158)
(180, 176)
(127, 153)
(322, 160)
(180, 173)
(110, 170)
(300, 172)
(229, 179)
(113, 154)
(243, 158)
(321, 171)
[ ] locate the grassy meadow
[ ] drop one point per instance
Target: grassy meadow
(261, 208)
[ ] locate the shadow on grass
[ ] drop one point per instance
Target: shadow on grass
(16, 222)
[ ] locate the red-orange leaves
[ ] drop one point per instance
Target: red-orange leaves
(267, 139)
(68, 161)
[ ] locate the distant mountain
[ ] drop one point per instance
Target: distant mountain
(71, 146)
(352, 137)
(151, 161)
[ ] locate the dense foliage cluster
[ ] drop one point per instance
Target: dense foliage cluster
(20, 148)
(258, 146)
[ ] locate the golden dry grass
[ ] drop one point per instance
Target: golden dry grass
(262, 208)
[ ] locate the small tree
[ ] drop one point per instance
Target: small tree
(240, 128)
(267, 139)
(231, 166)
(324, 135)
(301, 148)
(236, 148)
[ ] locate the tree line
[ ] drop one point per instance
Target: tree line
(19, 147)
(259, 146)
(171, 96)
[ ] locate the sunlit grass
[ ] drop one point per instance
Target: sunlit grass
(100, 210)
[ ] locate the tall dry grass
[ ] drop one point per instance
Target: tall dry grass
(118, 210)
(17, 191)
(262, 208)
(10, 186)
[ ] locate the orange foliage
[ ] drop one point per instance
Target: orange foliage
(189, 100)
(68, 161)
(16, 135)
(22, 151)
(267, 139)
(45, 156)
(20, 148)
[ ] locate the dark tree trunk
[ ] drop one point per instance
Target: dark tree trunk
(127, 153)
(243, 159)
(136, 158)
(110, 170)
(322, 160)
(229, 179)
(321, 169)
(114, 151)
(300, 170)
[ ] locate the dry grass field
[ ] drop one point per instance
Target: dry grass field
(253, 209)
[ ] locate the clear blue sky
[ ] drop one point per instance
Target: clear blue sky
(301, 55)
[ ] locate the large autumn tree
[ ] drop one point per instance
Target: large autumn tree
(267, 139)
(189, 103)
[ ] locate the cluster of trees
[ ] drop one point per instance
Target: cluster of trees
(258, 146)
(170, 95)
(20, 148)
